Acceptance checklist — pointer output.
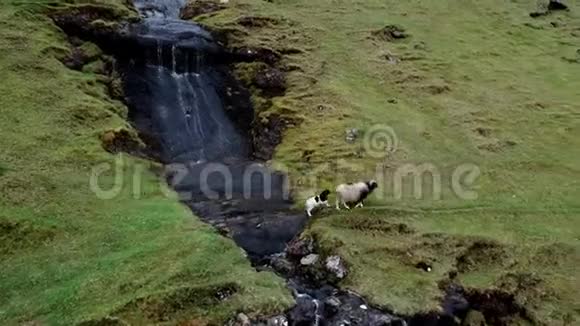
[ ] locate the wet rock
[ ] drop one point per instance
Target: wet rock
(300, 247)
(278, 321)
(390, 33)
(351, 135)
(335, 265)
(384, 320)
(200, 7)
(304, 312)
(309, 260)
(243, 320)
(331, 306)
(271, 80)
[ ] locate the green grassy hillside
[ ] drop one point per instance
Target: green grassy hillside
(474, 82)
(68, 256)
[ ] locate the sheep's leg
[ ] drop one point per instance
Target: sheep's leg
(360, 204)
(345, 205)
(309, 213)
(326, 203)
(337, 204)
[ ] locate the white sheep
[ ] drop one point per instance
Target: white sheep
(354, 193)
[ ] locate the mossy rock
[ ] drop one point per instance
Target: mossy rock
(122, 140)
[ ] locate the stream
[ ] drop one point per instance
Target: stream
(177, 85)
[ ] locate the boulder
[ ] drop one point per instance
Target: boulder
(300, 247)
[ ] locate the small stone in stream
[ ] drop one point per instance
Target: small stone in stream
(335, 265)
(309, 260)
(331, 305)
(278, 321)
(351, 135)
(242, 320)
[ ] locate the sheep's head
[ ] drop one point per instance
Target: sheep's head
(324, 195)
(372, 185)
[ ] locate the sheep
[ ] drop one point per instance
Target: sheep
(317, 201)
(354, 193)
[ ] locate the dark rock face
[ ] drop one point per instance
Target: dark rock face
(267, 135)
(271, 80)
(99, 23)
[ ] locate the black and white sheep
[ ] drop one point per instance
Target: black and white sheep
(315, 202)
(354, 193)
